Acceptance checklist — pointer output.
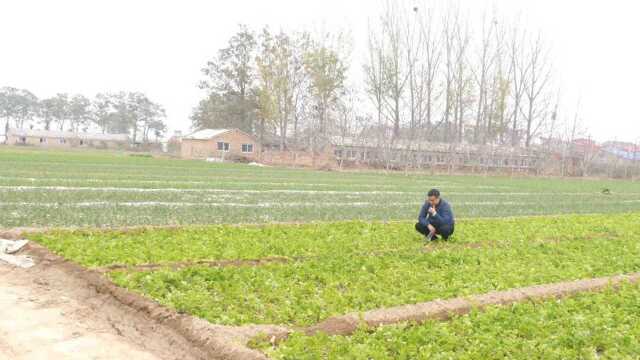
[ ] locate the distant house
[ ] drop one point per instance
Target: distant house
(584, 146)
(62, 139)
(219, 143)
(623, 150)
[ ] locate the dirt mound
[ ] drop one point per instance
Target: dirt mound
(445, 309)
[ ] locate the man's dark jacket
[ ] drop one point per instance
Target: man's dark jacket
(444, 215)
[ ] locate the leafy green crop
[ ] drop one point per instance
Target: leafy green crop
(100, 248)
(334, 283)
(602, 325)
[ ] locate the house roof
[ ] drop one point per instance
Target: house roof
(206, 134)
(68, 135)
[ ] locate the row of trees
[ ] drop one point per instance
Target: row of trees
(123, 112)
(431, 70)
(281, 83)
(432, 73)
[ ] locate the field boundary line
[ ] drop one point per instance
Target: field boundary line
(98, 204)
(185, 264)
(24, 188)
(447, 309)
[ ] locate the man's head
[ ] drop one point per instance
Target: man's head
(433, 197)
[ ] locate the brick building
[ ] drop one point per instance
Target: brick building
(219, 143)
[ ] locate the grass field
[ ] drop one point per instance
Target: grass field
(353, 250)
(104, 189)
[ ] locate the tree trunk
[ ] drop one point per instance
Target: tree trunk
(514, 136)
(428, 118)
(135, 133)
(529, 122)
(479, 119)
(261, 134)
(6, 129)
(283, 134)
(396, 120)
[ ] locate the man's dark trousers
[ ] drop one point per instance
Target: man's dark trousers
(444, 230)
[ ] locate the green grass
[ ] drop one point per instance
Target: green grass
(339, 279)
(58, 188)
(602, 325)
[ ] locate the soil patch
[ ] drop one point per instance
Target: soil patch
(162, 332)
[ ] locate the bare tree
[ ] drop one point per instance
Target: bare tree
(396, 74)
(536, 84)
(518, 71)
(374, 68)
(414, 48)
(281, 66)
(462, 78)
(430, 64)
(486, 59)
(449, 34)
(299, 79)
(496, 124)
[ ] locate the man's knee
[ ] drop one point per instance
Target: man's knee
(421, 228)
(446, 231)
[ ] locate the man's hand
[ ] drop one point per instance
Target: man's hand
(432, 211)
(432, 232)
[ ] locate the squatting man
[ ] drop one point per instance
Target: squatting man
(436, 217)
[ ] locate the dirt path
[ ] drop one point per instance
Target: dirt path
(46, 314)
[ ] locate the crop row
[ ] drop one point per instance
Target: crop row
(602, 325)
(96, 248)
(115, 210)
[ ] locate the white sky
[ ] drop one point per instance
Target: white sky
(158, 47)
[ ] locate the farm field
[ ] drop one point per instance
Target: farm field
(346, 244)
(96, 189)
(590, 326)
(334, 269)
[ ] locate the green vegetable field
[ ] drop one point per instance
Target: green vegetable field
(336, 268)
(106, 189)
(260, 245)
(590, 326)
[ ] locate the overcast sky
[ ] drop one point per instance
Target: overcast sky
(158, 47)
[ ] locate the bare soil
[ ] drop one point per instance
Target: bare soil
(59, 310)
(47, 314)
